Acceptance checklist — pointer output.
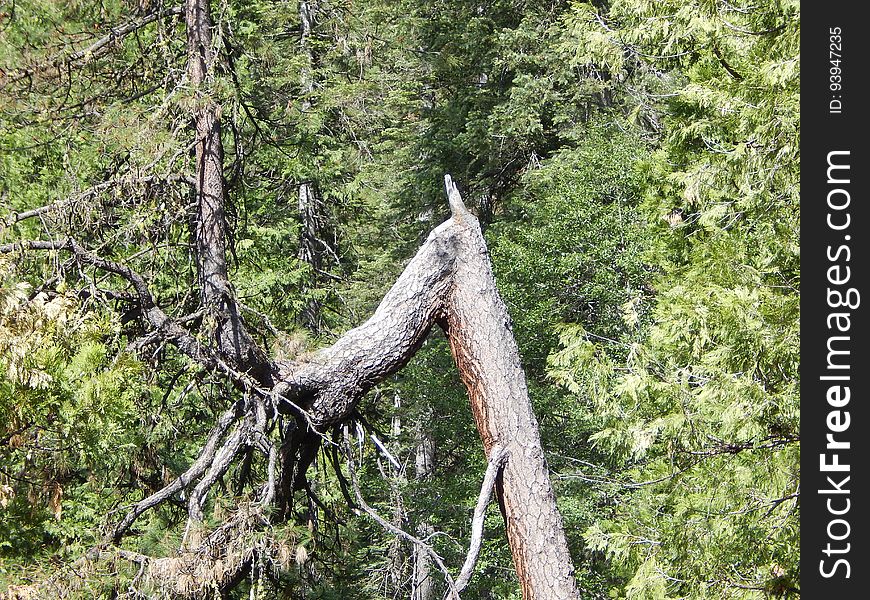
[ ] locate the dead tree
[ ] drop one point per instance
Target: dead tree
(449, 284)
(311, 244)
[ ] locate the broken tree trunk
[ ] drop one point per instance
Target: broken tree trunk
(483, 346)
(450, 282)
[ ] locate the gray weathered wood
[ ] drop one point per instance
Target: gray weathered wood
(450, 282)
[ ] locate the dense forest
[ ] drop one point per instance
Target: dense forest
(202, 204)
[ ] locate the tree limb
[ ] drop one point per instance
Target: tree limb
(17, 217)
(453, 592)
(199, 466)
(497, 459)
(154, 315)
(95, 50)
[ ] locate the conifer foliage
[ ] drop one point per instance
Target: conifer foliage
(198, 199)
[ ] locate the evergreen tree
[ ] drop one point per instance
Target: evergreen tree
(702, 419)
(634, 165)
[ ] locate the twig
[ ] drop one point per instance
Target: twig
(453, 593)
(497, 458)
(384, 451)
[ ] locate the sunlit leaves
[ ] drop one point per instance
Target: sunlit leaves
(69, 407)
(709, 405)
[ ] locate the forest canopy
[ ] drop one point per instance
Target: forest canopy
(203, 203)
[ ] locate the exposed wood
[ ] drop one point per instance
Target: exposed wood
(448, 282)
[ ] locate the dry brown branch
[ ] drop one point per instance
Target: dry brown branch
(59, 64)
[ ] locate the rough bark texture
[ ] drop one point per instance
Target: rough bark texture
(328, 384)
(211, 220)
(449, 282)
(233, 340)
(479, 330)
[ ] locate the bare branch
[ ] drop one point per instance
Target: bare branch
(450, 283)
(199, 466)
(94, 51)
(383, 448)
(452, 590)
(497, 458)
(17, 217)
(172, 331)
(220, 462)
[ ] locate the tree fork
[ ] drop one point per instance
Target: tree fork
(450, 282)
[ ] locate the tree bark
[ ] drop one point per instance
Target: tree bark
(450, 282)
(483, 346)
(232, 338)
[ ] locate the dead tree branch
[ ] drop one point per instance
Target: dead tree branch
(95, 50)
(497, 459)
(453, 592)
(448, 282)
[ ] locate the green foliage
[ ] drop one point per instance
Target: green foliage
(635, 166)
(705, 411)
(570, 247)
(71, 409)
